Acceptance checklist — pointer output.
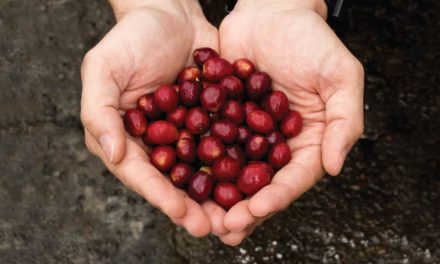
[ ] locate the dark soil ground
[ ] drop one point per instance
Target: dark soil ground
(58, 204)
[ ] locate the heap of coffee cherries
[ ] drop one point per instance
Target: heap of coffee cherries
(219, 132)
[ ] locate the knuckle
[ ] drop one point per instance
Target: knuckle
(358, 68)
(92, 57)
(360, 129)
(86, 118)
(89, 144)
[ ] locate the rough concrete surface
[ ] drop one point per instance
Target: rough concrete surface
(58, 203)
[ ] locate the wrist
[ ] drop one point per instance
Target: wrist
(184, 7)
(318, 6)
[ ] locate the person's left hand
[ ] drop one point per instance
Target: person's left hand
(291, 41)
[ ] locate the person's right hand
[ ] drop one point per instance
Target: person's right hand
(147, 47)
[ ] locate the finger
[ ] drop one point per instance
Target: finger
(99, 106)
(302, 172)
(239, 217)
(235, 238)
(344, 116)
(195, 221)
(216, 214)
(136, 172)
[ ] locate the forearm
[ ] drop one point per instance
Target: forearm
(186, 7)
(319, 6)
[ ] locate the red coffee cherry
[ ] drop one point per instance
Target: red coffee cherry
(226, 169)
(243, 68)
(253, 177)
(166, 98)
(163, 158)
(209, 149)
(162, 132)
(258, 85)
(215, 69)
(135, 122)
(200, 186)
(202, 54)
(226, 195)
(291, 125)
(197, 120)
(260, 122)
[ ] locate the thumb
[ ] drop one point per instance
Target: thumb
(100, 106)
(344, 115)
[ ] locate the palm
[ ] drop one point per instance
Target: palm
(148, 48)
(295, 48)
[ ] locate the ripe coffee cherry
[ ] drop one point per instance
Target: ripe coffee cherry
(236, 152)
(186, 150)
(225, 130)
(265, 166)
(162, 132)
(166, 98)
(226, 195)
(249, 107)
(226, 169)
(197, 120)
(258, 85)
(233, 87)
(275, 137)
(243, 68)
(279, 155)
(191, 73)
(260, 122)
(257, 147)
(163, 158)
(200, 186)
(189, 92)
(233, 111)
(177, 117)
(202, 54)
(135, 122)
(244, 134)
(291, 125)
(146, 104)
(209, 149)
(277, 105)
(213, 98)
(180, 174)
(215, 69)
(253, 177)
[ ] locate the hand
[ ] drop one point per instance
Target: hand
(291, 41)
(148, 46)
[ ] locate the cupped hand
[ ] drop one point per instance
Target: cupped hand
(147, 47)
(292, 42)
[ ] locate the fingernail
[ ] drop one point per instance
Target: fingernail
(108, 146)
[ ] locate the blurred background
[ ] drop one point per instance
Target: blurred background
(58, 203)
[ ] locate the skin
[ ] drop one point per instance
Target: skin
(306, 60)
